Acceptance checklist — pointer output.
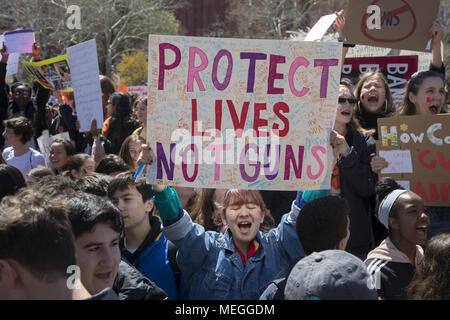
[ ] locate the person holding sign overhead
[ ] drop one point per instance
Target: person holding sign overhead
(22, 103)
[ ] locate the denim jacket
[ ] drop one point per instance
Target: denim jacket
(213, 269)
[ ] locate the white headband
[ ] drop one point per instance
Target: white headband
(386, 205)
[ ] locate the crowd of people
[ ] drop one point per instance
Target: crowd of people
(84, 215)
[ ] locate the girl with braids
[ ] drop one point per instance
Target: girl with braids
(393, 262)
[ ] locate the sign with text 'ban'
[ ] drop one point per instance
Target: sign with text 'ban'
(235, 113)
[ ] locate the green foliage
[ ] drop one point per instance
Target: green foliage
(133, 68)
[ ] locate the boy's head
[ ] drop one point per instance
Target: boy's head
(134, 199)
(36, 246)
(54, 185)
(324, 224)
(97, 226)
(94, 183)
(111, 165)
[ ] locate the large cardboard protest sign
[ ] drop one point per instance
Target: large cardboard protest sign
(250, 114)
(404, 24)
(417, 149)
(397, 70)
(52, 73)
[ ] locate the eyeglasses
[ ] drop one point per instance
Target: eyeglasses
(21, 93)
(350, 100)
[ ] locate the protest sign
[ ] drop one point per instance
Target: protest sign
(404, 24)
(13, 60)
(138, 90)
(86, 84)
(20, 41)
(52, 73)
(416, 148)
(397, 70)
(318, 30)
(242, 113)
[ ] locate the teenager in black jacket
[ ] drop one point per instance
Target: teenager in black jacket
(352, 176)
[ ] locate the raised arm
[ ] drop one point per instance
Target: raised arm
(338, 26)
(435, 34)
(4, 99)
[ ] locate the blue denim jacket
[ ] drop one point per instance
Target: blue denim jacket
(213, 269)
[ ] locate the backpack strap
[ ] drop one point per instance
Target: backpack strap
(281, 284)
(172, 254)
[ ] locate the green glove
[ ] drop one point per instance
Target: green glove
(167, 203)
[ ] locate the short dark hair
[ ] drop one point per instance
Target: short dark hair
(21, 126)
(11, 180)
(23, 84)
(39, 172)
(322, 223)
(54, 185)
(94, 183)
(126, 180)
(86, 210)
(36, 232)
(111, 163)
(77, 161)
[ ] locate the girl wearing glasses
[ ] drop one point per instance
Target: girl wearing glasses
(352, 176)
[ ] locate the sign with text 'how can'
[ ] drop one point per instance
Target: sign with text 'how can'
(241, 113)
(417, 150)
(400, 24)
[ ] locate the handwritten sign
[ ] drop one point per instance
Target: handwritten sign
(241, 113)
(52, 73)
(404, 24)
(20, 41)
(138, 90)
(399, 161)
(397, 70)
(425, 142)
(86, 84)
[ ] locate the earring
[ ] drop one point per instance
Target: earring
(359, 106)
(385, 104)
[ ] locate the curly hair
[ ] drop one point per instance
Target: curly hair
(431, 280)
